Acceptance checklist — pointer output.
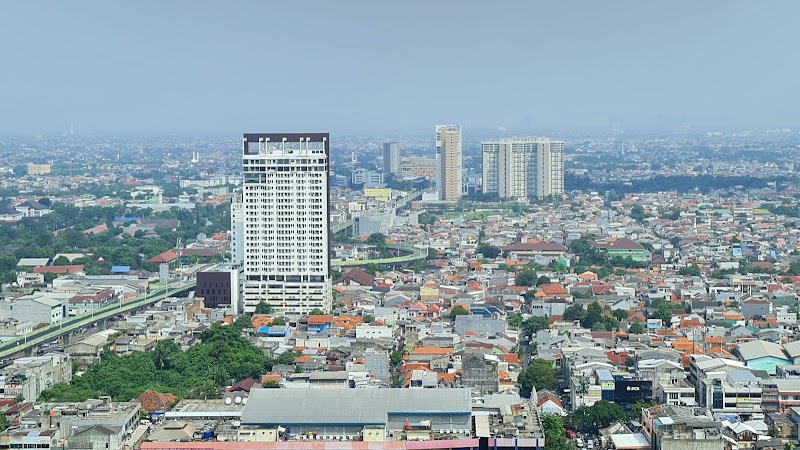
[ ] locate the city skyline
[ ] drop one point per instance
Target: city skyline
(640, 65)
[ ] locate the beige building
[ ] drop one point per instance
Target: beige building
(520, 168)
(38, 169)
(417, 167)
(449, 160)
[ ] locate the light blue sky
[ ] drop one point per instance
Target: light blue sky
(337, 65)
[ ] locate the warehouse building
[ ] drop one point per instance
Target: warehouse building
(346, 414)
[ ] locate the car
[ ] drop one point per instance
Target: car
(589, 444)
(579, 442)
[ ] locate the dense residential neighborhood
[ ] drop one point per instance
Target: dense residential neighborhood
(643, 320)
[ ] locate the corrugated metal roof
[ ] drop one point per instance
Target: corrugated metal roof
(361, 406)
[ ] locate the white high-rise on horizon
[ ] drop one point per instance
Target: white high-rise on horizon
(285, 222)
(520, 168)
(449, 162)
(391, 157)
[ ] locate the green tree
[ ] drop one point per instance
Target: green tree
(458, 310)
(693, 270)
(661, 309)
(287, 358)
(61, 261)
(242, 322)
(635, 412)
(263, 308)
(554, 433)
(396, 358)
(488, 251)
(317, 312)
(426, 218)
(368, 318)
(594, 312)
(432, 254)
(278, 321)
(376, 239)
(533, 325)
(525, 277)
(638, 214)
(589, 419)
(514, 320)
(636, 328)
(539, 374)
(620, 314)
(574, 312)
(542, 280)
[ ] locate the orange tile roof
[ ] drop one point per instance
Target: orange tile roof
(260, 320)
(446, 377)
(347, 322)
(414, 366)
(668, 332)
(688, 323)
(320, 319)
(274, 377)
(553, 289)
(511, 358)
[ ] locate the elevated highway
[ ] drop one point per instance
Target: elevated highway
(24, 344)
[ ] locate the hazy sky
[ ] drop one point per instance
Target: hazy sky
(337, 65)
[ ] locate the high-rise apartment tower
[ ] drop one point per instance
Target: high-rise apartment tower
(391, 157)
(520, 168)
(449, 161)
(285, 221)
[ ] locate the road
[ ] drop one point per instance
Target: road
(416, 254)
(399, 205)
(48, 333)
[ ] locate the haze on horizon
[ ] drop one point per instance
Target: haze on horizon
(251, 65)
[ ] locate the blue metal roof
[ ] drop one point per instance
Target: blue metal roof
(604, 375)
(120, 268)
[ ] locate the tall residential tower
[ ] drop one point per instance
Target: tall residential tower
(520, 168)
(285, 222)
(391, 157)
(449, 161)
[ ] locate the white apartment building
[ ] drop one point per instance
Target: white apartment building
(449, 162)
(520, 168)
(286, 235)
(237, 229)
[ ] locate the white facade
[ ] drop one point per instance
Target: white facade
(517, 168)
(286, 234)
(367, 331)
(237, 229)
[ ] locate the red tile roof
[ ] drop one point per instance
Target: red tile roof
(153, 401)
(165, 257)
(59, 269)
(244, 385)
(625, 244)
